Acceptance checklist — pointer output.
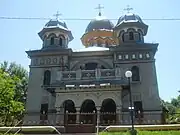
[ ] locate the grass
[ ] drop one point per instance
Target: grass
(9, 134)
(143, 133)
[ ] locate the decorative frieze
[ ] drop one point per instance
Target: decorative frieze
(56, 60)
(133, 56)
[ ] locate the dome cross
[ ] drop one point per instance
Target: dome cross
(128, 8)
(99, 8)
(57, 15)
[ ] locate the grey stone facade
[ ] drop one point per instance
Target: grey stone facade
(71, 78)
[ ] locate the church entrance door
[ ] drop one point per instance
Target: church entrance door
(88, 112)
(88, 117)
(86, 122)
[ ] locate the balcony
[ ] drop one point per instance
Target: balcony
(87, 77)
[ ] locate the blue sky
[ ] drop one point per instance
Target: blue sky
(17, 36)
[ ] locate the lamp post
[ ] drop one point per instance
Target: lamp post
(128, 74)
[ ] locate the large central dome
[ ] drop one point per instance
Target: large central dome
(99, 23)
(99, 32)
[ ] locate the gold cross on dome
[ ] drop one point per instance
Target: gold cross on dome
(57, 15)
(128, 8)
(99, 8)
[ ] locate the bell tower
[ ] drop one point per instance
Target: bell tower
(130, 28)
(55, 34)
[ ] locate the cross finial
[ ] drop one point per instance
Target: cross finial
(57, 15)
(99, 8)
(128, 8)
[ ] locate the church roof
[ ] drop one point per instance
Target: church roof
(129, 17)
(100, 22)
(92, 48)
(129, 20)
(55, 23)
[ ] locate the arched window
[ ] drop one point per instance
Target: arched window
(135, 73)
(52, 41)
(139, 36)
(60, 41)
(123, 37)
(106, 43)
(47, 77)
(131, 35)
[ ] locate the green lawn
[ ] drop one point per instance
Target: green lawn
(143, 133)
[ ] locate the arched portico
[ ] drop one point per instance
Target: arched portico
(108, 112)
(88, 112)
(69, 111)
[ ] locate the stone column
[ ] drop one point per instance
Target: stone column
(58, 76)
(77, 115)
(98, 119)
(98, 73)
(118, 72)
(57, 121)
(78, 74)
(119, 115)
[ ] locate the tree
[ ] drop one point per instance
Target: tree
(16, 70)
(174, 110)
(10, 109)
(13, 94)
(175, 102)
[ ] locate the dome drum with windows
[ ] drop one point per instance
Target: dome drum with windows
(130, 28)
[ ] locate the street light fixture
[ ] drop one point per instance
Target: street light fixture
(128, 74)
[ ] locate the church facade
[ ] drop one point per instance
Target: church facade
(71, 87)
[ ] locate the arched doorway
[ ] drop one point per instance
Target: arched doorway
(88, 112)
(69, 111)
(108, 112)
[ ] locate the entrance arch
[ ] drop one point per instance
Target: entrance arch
(108, 112)
(88, 112)
(69, 111)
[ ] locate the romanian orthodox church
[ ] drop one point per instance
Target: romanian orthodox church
(73, 88)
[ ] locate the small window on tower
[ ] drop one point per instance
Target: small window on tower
(60, 41)
(123, 37)
(140, 56)
(134, 56)
(127, 56)
(139, 36)
(52, 41)
(131, 35)
(135, 73)
(47, 77)
(120, 57)
(106, 43)
(147, 55)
